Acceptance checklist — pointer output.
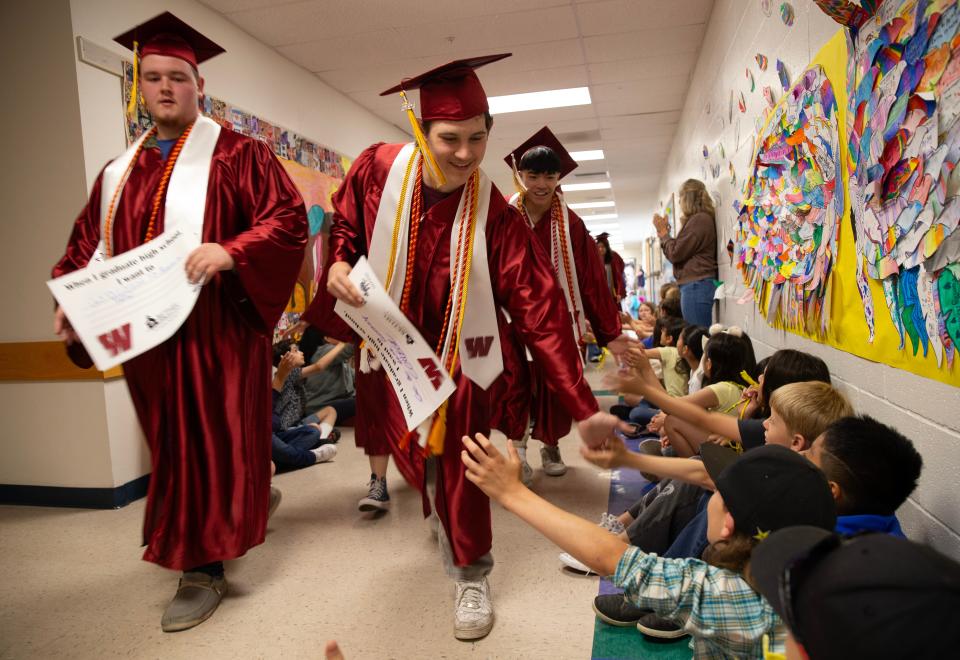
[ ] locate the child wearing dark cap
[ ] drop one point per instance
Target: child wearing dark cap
(870, 596)
(757, 493)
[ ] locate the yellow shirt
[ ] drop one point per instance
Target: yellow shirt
(674, 382)
(728, 395)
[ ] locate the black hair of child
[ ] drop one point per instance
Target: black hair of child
(671, 307)
(540, 160)
(729, 355)
(280, 349)
(673, 326)
(789, 366)
(875, 465)
(693, 339)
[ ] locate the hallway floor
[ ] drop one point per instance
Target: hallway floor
(75, 586)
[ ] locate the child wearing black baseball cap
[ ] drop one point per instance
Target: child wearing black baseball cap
(757, 493)
(870, 596)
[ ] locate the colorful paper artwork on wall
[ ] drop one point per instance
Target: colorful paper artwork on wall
(904, 145)
(750, 80)
(792, 206)
(761, 61)
(783, 75)
(670, 211)
(787, 14)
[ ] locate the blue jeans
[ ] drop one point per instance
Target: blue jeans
(642, 413)
(696, 301)
(290, 449)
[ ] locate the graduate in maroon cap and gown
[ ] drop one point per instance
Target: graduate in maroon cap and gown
(203, 396)
(423, 256)
(538, 166)
(613, 263)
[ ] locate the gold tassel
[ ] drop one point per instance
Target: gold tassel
(135, 90)
(421, 141)
(517, 181)
(438, 431)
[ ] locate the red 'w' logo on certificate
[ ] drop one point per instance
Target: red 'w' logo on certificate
(478, 346)
(117, 340)
(434, 374)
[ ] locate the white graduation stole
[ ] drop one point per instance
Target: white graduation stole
(479, 351)
(186, 197)
(571, 285)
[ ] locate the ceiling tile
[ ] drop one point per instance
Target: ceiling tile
(632, 45)
(615, 16)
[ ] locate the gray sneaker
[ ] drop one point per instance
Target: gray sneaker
(611, 523)
(552, 462)
(197, 598)
(473, 610)
(526, 473)
(377, 499)
(650, 448)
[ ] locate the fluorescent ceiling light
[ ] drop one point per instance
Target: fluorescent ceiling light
(613, 228)
(591, 205)
(552, 98)
(591, 154)
(599, 216)
(572, 187)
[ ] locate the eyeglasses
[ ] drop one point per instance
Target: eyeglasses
(794, 574)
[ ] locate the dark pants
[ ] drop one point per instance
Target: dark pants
(290, 449)
(692, 541)
(696, 301)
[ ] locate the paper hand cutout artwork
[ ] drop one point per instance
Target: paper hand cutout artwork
(792, 205)
(904, 145)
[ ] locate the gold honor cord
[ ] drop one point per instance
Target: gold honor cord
(135, 89)
(421, 141)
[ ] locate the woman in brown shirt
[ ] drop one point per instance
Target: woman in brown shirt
(693, 252)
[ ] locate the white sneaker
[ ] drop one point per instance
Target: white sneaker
(611, 523)
(575, 564)
(473, 610)
(552, 462)
(324, 453)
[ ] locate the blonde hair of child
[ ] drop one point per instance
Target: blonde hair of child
(809, 408)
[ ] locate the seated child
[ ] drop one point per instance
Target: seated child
(871, 596)
(872, 470)
(710, 597)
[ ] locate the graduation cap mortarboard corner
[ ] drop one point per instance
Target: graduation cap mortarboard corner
(165, 34)
(451, 92)
(543, 138)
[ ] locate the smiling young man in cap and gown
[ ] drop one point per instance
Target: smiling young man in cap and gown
(434, 229)
(538, 166)
(203, 396)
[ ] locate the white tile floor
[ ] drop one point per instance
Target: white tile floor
(74, 586)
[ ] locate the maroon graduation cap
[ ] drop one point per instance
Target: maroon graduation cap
(451, 92)
(543, 138)
(166, 34)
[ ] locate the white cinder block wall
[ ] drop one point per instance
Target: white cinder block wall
(926, 411)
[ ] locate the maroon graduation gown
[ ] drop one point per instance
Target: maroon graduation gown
(203, 396)
(523, 283)
(551, 420)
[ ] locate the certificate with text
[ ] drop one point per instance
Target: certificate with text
(414, 370)
(126, 305)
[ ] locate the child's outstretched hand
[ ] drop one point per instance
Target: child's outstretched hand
(611, 455)
(495, 474)
(624, 380)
